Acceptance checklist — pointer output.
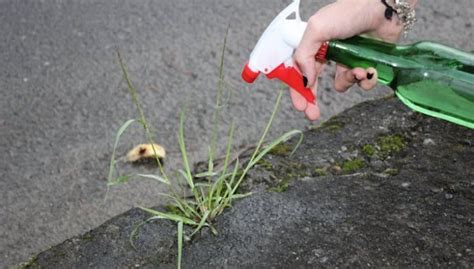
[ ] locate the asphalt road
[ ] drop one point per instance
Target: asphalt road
(63, 98)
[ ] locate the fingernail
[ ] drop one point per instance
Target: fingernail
(370, 75)
(356, 78)
(305, 81)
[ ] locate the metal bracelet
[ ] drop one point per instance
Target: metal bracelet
(406, 14)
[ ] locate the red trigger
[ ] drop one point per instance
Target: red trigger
(291, 77)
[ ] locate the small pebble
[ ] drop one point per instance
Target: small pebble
(343, 148)
(437, 190)
(406, 184)
(448, 196)
(429, 142)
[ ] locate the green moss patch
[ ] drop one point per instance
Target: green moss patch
(368, 150)
(391, 171)
(265, 164)
(391, 144)
(281, 150)
(353, 165)
(320, 172)
(334, 124)
(87, 237)
(281, 187)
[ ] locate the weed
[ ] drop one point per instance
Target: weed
(208, 199)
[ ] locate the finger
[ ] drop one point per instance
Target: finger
(304, 59)
(299, 102)
(312, 111)
(345, 78)
(370, 81)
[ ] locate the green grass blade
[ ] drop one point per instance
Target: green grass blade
(135, 231)
(217, 187)
(201, 223)
(143, 121)
(206, 174)
(180, 243)
(118, 181)
(210, 166)
(240, 196)
(285, 137)
(120, 131)
(184, 155)
(259, 145)
(230, 138)
(169, 216)
(269, 124)
(188, 179)
(203, 185)
(216, 114)
(177, 203)
(155, 177)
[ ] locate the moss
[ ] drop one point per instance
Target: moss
(334, 127)
(281, 150)
(87, 237)
(281, 187)
(368, 150)
(292, 169)
(320, 172)
(265, 164)
(353, 165)
(334, 124)
(391, 144)
(391, 171)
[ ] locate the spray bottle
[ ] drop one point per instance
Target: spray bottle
(428, 77)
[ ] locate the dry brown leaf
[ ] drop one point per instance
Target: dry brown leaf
(144, 151)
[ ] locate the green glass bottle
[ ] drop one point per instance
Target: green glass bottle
(428, 77)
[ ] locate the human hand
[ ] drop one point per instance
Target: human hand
(341, 20)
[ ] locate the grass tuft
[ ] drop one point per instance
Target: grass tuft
(209, 199)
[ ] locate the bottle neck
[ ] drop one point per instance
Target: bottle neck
(363, 52)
